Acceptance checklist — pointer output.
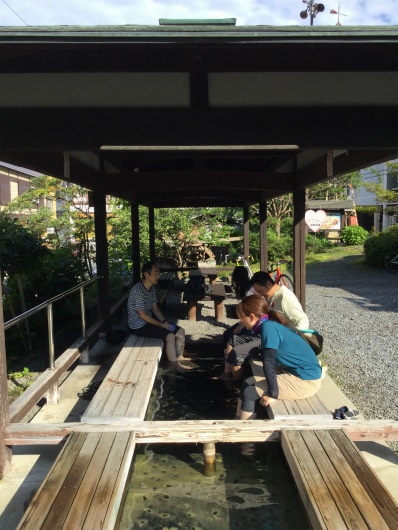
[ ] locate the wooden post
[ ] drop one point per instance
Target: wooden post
(5, 451)
(246, 232)
(135, 241)
(299, 245)
(151, 221)
(263, 236)
(219, 310)
(101, 241)
(209, 459)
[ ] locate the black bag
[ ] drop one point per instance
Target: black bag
(196, 286)
(313, 338)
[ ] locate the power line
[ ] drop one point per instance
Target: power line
(15, 13)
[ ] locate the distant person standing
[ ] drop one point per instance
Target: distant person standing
(145, 318)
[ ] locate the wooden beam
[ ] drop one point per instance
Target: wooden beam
(299, 273)
(202, 431)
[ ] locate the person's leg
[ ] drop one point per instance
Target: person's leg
(180, 342)
(248, 396)
(171, 352)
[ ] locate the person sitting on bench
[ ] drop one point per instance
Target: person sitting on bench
(285, 366)
(240, 282)
(145, 319)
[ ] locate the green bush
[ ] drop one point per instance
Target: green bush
(318, 244)
(353, 235)
(379, 244)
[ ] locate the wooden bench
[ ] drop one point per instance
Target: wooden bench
(311, 407)
(338, 488)
(164, 284)
(216, 294)
(86, 485)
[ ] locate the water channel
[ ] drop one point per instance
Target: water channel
(252, 488)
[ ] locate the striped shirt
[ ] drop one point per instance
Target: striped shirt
(140, 299)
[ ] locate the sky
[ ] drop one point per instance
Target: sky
(148, 12)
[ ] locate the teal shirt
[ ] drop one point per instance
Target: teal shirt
(292, 352)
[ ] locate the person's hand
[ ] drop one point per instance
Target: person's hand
(166, 325)
(266, 400)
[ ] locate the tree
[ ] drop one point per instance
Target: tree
(72, 221)
(336, 189)
(390, 197)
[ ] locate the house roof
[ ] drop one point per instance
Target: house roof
(198, 115)
(331, 205)
(23, 170)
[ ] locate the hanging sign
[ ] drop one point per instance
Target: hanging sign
(315, 220)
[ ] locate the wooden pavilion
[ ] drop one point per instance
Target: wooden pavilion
(196, 114)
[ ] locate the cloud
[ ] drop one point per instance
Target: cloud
(148, 12)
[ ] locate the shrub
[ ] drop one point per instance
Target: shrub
(318, 244)
(379, 244)
(353, 235)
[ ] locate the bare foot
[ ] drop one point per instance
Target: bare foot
(175, 365)
(183, 358)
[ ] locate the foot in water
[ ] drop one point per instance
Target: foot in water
(177, 367)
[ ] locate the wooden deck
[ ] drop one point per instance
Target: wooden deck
(338, 489)
(85, 487)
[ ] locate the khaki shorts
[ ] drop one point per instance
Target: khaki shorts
(290, 386)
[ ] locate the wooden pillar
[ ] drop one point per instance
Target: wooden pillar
(135, 241)
(5, 451)
(151, 221)
(263, 236)
(246, 232)
(299, 245)
(209, 459)
(102, 259)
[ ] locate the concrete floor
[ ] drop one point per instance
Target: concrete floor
(31, 464)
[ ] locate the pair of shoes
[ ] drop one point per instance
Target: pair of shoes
(344, 413)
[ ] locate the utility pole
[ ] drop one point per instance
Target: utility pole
(312, 9)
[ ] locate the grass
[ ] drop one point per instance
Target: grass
(327, 255)
(335, 253)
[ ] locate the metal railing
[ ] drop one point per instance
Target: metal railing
(49, 305)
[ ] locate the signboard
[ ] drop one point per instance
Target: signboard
(320, 220)
(315, 220)
(332, 222)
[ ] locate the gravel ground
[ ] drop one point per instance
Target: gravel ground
(355, 309)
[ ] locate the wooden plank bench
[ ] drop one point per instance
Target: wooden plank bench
(216, 294)
(311, 407)
(338, 488)
(86, 485)
(164, 284)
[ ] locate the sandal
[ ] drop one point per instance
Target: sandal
(344, 413)
(89, 391)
